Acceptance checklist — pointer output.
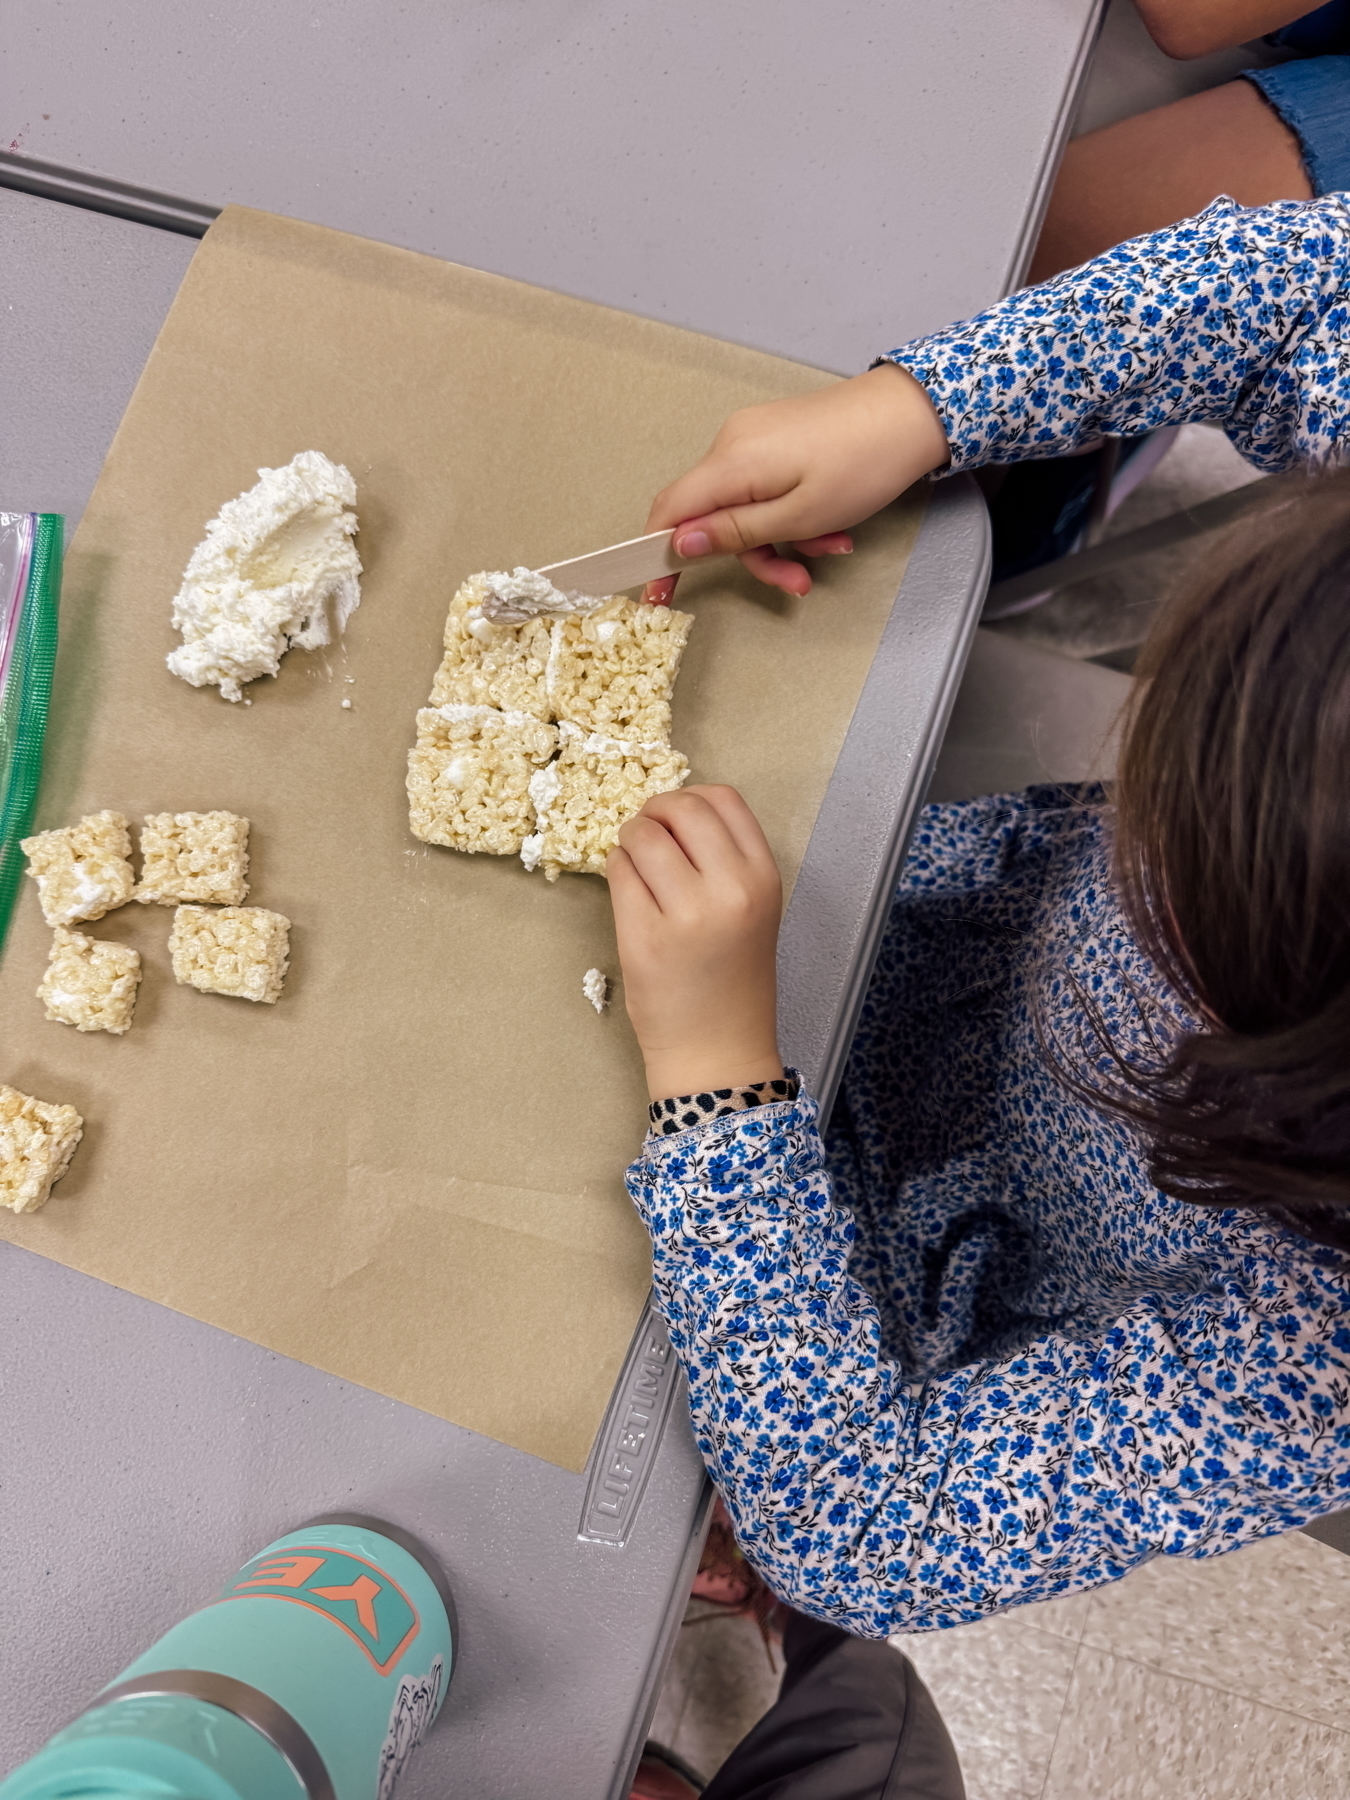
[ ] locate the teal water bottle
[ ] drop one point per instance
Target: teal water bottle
(313, 1675)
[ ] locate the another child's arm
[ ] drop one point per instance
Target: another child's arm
(1187, 28)
(1240, 318)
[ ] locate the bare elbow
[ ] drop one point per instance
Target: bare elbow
(1184, 41)
(1186, 31)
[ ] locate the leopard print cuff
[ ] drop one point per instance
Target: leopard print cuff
(669, 1116)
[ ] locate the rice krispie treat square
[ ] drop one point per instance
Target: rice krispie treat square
(488, 663)
(193, 856)
(82, 871)
(90, 984)
(613, 671)
(469, 777)
(37, 1141)
(237, 950)
(583, 798)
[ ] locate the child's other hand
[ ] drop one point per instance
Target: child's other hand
(697, 900)
(801, 472)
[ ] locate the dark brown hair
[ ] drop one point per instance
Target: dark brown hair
(1233, 865)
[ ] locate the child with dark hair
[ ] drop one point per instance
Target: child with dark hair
(1066, 1287)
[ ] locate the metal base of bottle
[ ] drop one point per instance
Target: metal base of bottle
(250, 1704)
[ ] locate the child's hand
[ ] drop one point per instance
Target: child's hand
(800, 472)
(697, 899)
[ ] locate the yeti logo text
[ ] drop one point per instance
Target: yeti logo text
(359, 1598)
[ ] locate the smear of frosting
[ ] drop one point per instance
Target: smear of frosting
(524, 594)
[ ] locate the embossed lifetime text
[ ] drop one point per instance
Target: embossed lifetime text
(630, 1435)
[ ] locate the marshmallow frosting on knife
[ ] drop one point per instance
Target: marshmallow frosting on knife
(525, 594)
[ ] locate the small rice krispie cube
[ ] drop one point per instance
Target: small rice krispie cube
(90, 984)
(469, 777)
(582, 799)
(193, 856)
(237, 950)
(492, 664)
(613, 671)
(82, 871)
(37, 1141)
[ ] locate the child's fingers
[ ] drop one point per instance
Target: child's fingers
(739, 820)
(697, 828)
(657, 856)
(629, 893)
(830, 543)
(766, 565)
(722, 478)
(782, 572)
(732, 530)
(751, 856)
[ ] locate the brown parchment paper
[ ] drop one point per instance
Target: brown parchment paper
(408, 1171)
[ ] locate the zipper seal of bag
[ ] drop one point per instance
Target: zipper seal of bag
(29, 621)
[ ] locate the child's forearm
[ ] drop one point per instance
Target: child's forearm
(1239, 318)
(1187, 28)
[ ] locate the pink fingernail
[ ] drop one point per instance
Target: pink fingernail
(693, 543)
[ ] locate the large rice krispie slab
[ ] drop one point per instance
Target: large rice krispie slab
(236, 950)
(37, 1141)
(469, 777)
(613, 671)
(492, 664)
(82, 871)
(583, 798)
(90, 984)
(193, 857)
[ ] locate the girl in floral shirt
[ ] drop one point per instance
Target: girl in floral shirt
(1066, 1288)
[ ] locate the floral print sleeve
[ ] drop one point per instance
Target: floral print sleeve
(1239, 317)
(888, 1503)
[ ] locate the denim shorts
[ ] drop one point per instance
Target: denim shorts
(1312, 96)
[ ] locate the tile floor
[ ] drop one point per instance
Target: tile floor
(720, 1682)
(1219, 1680)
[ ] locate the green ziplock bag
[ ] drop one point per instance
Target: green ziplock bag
(30, 600)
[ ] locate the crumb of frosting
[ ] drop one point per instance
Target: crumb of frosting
(595, 986)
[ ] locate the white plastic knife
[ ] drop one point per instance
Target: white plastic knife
(621, 566)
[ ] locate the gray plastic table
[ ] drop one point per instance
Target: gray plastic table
(146, 1454)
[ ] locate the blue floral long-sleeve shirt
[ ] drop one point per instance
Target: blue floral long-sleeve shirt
(1239, 317)
(966, 1354)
